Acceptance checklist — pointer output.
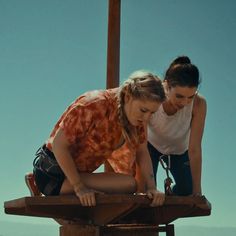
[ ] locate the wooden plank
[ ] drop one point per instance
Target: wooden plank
(163, 215)
(110, 208)
(17, 203)
(106, 214)
(105, 199)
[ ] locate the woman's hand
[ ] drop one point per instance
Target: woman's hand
(157, 197)
(85, 195)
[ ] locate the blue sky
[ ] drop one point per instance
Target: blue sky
(51, 51)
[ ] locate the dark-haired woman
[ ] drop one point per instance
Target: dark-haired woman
(175, 131)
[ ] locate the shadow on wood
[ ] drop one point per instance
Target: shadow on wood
(112, 214)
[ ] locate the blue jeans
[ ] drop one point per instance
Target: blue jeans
(179, 168)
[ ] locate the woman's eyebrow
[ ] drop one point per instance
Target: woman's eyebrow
(180, 95)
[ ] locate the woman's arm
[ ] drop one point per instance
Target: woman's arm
(60, 149)
(195, 148)
(145, 166)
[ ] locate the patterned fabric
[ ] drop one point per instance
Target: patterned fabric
(92, 127)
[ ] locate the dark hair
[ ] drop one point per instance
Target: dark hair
(182, 72)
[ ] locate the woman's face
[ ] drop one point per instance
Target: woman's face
(180, 96)
(138, 111)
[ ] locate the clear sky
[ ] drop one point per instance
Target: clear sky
(51, 51)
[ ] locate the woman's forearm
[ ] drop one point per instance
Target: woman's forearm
(145, 165)
(67, 164)
(196, 170)
(60, 148)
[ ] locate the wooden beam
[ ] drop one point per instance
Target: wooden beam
(110, 208)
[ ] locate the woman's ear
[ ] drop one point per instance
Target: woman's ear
(127, 97)
(166, 84)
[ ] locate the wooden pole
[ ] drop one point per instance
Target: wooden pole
(113, 44)
(113, 51)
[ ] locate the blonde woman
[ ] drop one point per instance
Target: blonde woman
(102, 126)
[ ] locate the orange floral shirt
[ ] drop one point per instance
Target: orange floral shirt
(91, 125)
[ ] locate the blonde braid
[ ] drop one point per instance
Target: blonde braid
(126, 127)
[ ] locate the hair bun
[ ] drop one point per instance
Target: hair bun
(182, 60)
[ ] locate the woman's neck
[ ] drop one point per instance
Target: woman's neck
(168, 108)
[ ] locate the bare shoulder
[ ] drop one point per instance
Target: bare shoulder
(200, 103)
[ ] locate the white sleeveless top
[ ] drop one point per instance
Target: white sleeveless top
(170, 134)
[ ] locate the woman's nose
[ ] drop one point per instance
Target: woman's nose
(147, 117)
(185, 101)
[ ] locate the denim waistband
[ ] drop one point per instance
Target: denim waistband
(48, 152)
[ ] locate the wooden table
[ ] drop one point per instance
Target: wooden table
(124, 215)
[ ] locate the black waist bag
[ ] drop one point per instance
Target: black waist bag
(46, 162)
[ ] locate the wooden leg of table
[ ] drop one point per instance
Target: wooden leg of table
(170, 231)
(129, 230)
(79, 230)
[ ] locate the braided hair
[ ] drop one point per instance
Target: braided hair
(140, 85)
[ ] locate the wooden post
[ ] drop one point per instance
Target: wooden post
(170, 230)
(79, 230)
(113, 45)
(113, 51)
